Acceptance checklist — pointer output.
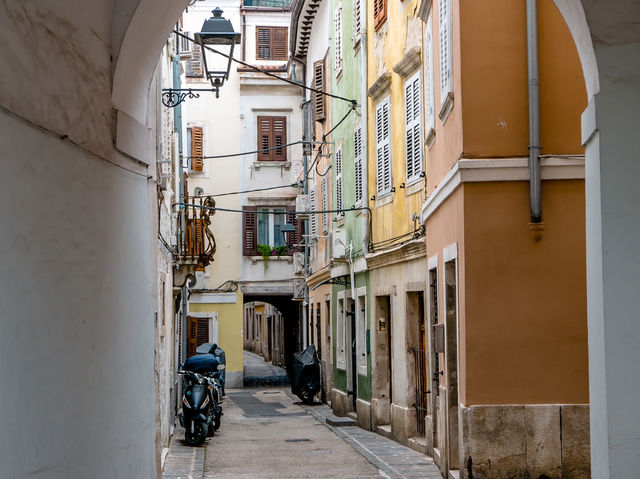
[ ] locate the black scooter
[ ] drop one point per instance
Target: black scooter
(201, 411)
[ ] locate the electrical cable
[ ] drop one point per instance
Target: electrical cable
(211, 157)
(259, 70)
(292, 185)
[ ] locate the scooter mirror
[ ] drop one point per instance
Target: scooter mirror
(221, 367)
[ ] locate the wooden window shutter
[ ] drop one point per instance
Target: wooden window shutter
(413, 126)
(446, 81)
(313, 206)
(428, 76)
(263, 43)
(272, 43)
(192, 336)
(379, 12)
(295, 237)
(197, 151)
(264, 138)
(202, 331)
(383, 152)
(318, 84)
(279, 135)
(249, 231)
(280, 48)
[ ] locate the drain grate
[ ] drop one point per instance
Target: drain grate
(298, 440)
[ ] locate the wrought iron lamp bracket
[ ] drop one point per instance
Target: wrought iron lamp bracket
(172, 97)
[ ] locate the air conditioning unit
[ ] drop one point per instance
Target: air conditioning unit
(302, 204)
(337, 245)
(298, 263)
(299, 287)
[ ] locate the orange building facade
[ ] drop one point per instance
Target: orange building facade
(506, 304)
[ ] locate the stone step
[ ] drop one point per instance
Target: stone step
(384, 430)
(337, 421)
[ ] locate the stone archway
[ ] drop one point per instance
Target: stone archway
(607, 36)
(76, 242)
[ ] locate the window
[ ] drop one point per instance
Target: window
(324, 203)
(383, 152)
(337, 24)
(271, 43)
(269, 225)
(272, 136)
(413, 116)
(193, 67)
(446, 53)
(428, 81)
(339, 202)
(356, 22)
(358, 159)
(379, 12)
(261, 225)
(195, 150)
(318, 84)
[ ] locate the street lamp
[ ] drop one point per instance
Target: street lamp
(217, 31)
(288, 230)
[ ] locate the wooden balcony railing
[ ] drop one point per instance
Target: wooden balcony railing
(197, 241)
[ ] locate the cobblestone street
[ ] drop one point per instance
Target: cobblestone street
(266, 433)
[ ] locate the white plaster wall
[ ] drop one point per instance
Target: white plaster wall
(220, 118)
(320, 40)
(76, 309)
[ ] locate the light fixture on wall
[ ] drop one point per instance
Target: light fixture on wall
(288, 230)
(217, 31)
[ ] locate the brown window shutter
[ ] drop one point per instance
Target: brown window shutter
(192, 336)
(202, 333)
(318, 84)
(279, 135)
(293, 236)
(280, 48)
(263, 43)
(197, 161)
(249, 231)
(379, 12)
(264, 138)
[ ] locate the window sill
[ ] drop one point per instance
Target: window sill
(268, 164)
(446, 108)
(385, 200)
(256, 259)
(339, 220)
(431, 137)
(416, 185)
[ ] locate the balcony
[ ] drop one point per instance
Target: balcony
(196, 243)
(267, 3)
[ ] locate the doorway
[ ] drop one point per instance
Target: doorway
(417, 345)
(352, 380)
(451, 353)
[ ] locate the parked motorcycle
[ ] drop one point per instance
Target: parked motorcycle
(201, 411)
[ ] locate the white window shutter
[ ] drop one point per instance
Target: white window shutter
(313, 207)
(428, 76)
(339, 202)
(383, 152)
(338, 40)
(446, 51)
(356, 22)
(357, 155)
(324, 200)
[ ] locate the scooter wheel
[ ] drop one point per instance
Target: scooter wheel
(216, 423)
(198, 435)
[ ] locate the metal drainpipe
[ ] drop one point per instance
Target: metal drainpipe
(364, 110)
(306, 105)
(535, 180)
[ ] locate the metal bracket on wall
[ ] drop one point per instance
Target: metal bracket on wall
(172, 97)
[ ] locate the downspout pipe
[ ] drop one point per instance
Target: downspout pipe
(364, 109)
(535, 179)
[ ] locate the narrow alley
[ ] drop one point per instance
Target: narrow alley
(267, 433)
